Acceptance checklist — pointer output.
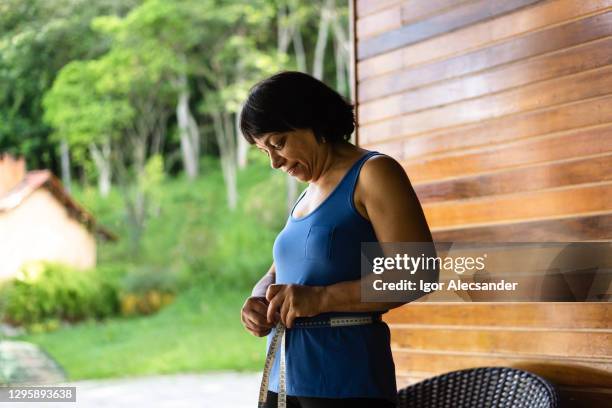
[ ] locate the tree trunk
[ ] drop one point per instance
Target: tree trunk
(188, 132)
(232, 162)
(319, 57)
(130, 177)
(65, 158)
(136, 206)
(300, 53)
(243, 145)
(227, 148)
(342, 54)
(229, 174)
(101, 159)
(340, 69)
(284, 29)
(139, 197)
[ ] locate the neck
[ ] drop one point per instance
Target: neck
(334, 157)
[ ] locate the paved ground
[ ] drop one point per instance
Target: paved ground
(226, 390)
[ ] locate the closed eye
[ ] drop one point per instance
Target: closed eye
(279, 145)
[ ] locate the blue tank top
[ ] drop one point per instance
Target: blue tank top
(320, 249)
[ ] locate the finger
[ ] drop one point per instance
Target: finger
(259, 334)
(262, 321)
(258, 321)
(290, 318)
(253, 317)
(283, 312)
(273, 290)
(257, 327)
(243, 315)
(273, 309)
(273, 313)
(259, 307)
(263, 333)
(257, 311)
(262, 300)
(253, 326)
(265, 322)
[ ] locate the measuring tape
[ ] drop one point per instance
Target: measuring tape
(279, 337)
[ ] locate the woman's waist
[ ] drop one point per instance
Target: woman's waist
(339, 319)
(342, 338)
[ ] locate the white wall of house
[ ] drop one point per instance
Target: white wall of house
(40, 229)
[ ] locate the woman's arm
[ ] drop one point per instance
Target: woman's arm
(259, 290)
(255, 308)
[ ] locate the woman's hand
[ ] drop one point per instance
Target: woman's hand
(291, 301)
(254, 316)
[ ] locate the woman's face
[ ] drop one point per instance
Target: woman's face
(295, 152)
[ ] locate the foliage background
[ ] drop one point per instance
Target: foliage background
(133, 103)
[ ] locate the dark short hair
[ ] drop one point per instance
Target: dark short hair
(292, 100)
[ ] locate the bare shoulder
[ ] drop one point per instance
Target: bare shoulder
(383, 172)
(381, 177)
(391, 203)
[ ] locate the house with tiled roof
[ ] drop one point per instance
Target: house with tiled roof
(40, 221)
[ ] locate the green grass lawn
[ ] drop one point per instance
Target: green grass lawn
(200, 331)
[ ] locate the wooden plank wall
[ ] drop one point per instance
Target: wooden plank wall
(501, 113)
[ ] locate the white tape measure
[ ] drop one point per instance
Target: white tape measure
(279, 335)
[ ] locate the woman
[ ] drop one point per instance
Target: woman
(353, 196)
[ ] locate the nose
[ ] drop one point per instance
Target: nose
(275, 160)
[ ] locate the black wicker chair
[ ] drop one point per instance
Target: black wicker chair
(487, 387)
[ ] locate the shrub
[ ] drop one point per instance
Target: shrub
(43, 292)
(147, 288)
(144, 278)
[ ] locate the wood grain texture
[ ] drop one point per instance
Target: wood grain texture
(525, 46)
(549, 122)
(395, 16)
(566, 62)
(537, 17)
(576, 397)
(595, 141)
(504, 126)
(365, 7)
(574, 200)
(384, 20)
(561, 370)
(531, 178)
(588, 84)
(518, 341)
(534, 315)
(456, 18)
(580, 228)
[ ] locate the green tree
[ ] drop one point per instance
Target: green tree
(37, 38)
(116, 107)
(88, 118)
(220, 47)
